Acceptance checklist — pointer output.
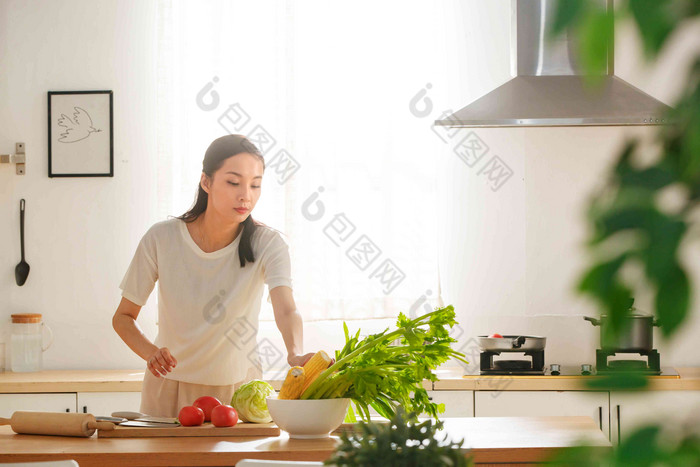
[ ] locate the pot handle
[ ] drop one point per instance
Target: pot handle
(595, 322)
(518, 342)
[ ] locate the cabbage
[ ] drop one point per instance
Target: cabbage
(249, 401)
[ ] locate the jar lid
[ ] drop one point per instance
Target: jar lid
(26, 318)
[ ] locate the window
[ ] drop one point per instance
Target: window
(326, 90)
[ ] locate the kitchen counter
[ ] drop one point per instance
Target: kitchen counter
(72, 381)
(497, 440)
(451, 379)
(86, 381)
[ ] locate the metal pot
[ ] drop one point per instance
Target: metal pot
(511, 343)
(637, 333)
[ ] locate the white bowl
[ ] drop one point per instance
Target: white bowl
(304, 419)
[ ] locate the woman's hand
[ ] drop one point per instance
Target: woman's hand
(299, 360)
(161, 362)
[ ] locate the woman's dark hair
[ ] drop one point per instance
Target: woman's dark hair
(220, 150)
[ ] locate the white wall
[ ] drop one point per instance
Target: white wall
(80, 233)
(514, 257)
(509, 258)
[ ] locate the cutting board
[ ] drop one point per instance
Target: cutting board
(207, 429)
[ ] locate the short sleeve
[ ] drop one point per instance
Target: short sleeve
(141, 277)
(277, 267)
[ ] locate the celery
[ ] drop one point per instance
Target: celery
(378, 372)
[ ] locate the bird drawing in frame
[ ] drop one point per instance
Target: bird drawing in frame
(78, 128)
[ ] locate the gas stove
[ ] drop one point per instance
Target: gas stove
(590, 370)
(532, 363)
(524, 355)
(652, 364)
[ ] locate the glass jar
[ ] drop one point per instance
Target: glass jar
(27, 342)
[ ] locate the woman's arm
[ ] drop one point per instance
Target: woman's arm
(159, 361)
(290, 324)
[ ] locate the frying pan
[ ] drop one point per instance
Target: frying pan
(511, 343)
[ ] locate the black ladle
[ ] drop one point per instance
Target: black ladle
(22, 269)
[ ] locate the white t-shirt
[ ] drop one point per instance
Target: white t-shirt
(208, 306)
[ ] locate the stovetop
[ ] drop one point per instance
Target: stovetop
(570, 371)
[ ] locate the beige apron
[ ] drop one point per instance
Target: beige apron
(163, 397)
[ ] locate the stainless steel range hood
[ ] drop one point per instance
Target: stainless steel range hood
(549, 89)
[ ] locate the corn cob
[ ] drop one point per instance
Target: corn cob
(315, 366)
(293, 383)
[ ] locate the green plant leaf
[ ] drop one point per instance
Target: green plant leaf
(682, 138)
(566, 15)
(350, 415)
(617, 305)
(672, 300)
(596, 38)
(652, 179)
(404, 441)
(614, 221)
(580, 456)
(600, 278)
(641, 448)
(621, 381)
(665, 234)
(626, 208)
(654, 23)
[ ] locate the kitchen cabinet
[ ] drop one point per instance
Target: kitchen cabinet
(96, 403)
(40, 402)
(457, 403)
(593, 404)
(104, 403)
(632, 410)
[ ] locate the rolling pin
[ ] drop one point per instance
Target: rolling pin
(55, 423)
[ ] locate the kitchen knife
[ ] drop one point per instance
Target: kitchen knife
(158, 420)
(101, 418)
(138, 416)
(149, 424)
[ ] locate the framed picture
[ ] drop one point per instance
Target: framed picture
(81, 140)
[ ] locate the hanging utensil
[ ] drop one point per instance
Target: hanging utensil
(22, 269)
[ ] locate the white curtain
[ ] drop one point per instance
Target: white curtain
(329, 91)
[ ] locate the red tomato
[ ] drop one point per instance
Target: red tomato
(496, 335)
(224, 415)
(191, 416)
(206, 403)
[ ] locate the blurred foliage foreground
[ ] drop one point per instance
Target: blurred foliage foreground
(633, 228)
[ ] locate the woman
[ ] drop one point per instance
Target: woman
(211, 264)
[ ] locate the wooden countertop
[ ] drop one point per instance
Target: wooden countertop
(72, 381)
(451, 379)
(491, 439)
(88, 381)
